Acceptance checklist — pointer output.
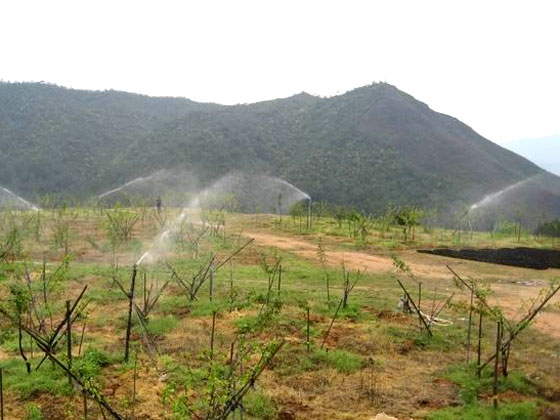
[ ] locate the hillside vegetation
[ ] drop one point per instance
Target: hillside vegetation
(365, 148)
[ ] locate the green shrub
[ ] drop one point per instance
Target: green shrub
(89, 365)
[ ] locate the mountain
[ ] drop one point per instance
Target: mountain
(365, 148)
(544, 151)
(61, 140)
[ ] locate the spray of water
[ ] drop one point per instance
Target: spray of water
(144, 255)
(128, 184)
(20, 199)
(172, 185)
(238, 192)
(251, 193)
(496, 196)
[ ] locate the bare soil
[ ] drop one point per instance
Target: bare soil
(512, 285)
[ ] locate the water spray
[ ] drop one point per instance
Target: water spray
(247, 190)
(134, 181)
(308, 212)
(144, 255)
(17, 197)
(496, 195)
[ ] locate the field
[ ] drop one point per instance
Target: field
(263, 317)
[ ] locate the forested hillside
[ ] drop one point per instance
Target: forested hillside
(54, 139)
(364, 148)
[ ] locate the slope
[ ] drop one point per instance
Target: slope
(365, 148)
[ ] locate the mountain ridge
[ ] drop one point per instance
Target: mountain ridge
(364, 148)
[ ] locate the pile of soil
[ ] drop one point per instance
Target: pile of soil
(539, 259)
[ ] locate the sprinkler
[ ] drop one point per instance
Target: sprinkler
(309, 213)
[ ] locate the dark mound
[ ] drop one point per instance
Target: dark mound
(539, 259)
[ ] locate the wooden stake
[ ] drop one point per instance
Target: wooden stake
(279, 279)
(1, 395)
(308, 340)
(129, 324)
(211, 284)
(212, 335)
(145, 292)
(231, 284)
(469, 328)
(479, 347)
(419, 295)
(496, 362)
(69, 338)
(328, 292)
(82, 337)
(332, 322)
(20, 341)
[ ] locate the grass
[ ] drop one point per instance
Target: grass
(163, 325)
(33, 412)
(341, 360)
(472, 387)
(259, 405)
(506, 411)
(406, 359)
(49, 379)
(89, 365)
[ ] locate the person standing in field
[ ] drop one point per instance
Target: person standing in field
(158, 204)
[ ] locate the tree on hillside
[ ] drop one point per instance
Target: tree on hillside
(408, 217)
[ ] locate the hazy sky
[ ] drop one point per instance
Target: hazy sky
(495, 65)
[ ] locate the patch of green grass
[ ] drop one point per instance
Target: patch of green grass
(472, 386)
(49, 379)
(163, 325)
(33, 412)
(341, 360)
(170, 305)
(258, 405)
(256, 323)
(506, 411)
(293, 360)
(443, 339)
(353, 312)
(206, 308)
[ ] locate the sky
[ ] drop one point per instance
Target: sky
(495, 65)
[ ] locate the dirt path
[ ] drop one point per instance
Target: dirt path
(509, 294)
(355, 260)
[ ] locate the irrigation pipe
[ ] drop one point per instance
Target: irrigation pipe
(434, 320)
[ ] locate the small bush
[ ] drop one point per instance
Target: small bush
(89, 365)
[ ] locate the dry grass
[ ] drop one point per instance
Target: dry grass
(399, 374)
